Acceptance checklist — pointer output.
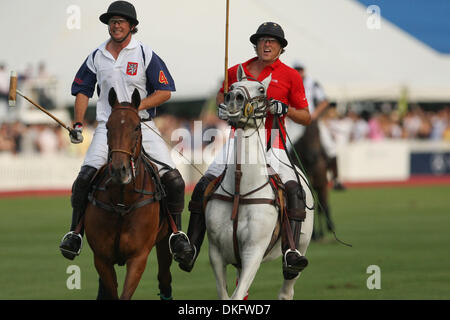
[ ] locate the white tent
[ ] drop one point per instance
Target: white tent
(331, 37)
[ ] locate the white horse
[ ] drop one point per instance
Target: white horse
(246, 104)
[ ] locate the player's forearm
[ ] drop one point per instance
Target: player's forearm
(319, 109)
(81, 104)
(156, 99)
(300, 116)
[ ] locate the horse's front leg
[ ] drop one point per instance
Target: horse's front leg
(164, 262)
(287, 290)
(220, 271)
(251, 261)
(108, 280)
(135, 269)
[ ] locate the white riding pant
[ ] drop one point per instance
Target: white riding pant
(275, 157)
(153, 144)
(327, 140)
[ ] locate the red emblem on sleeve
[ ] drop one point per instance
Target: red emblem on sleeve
(162, 78)
(132, 68)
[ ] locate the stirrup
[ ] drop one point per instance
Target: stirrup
(294, 268)
(81, 243)
(175, 234)
(286, 253)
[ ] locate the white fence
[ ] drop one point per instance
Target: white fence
(366, 161)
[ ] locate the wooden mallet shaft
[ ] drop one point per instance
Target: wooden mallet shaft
(12, 89)
(12, 100)
(225, 86)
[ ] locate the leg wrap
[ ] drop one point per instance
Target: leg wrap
(80, 191)
(174, 185)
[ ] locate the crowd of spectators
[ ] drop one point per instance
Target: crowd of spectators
(18, 137)
(416, 123)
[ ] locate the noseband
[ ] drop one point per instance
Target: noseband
(249, 108)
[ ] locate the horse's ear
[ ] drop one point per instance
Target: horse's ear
(112, 98)
(136, 99)
(241, 73)
(266, 81)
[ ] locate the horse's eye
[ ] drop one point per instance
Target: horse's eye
(261, 90)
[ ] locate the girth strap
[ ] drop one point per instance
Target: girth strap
(121, 208)
(243, 200)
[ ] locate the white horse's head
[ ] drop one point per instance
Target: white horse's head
(246, 101)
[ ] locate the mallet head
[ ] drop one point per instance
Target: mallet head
(12, 89)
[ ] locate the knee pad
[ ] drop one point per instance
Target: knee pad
(295, 201)
(174, 186)
(81, 186)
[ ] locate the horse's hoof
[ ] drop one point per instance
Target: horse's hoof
(339, 186)
(71, 245)
(164, 298)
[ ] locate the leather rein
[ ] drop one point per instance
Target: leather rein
(237, 198)
(136, 158)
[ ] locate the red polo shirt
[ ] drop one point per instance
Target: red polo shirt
(286, 86)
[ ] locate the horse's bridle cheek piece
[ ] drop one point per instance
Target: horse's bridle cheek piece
(132, 153)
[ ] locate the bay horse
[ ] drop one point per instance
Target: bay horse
(241, 221)
(122, 220)
(312, 156)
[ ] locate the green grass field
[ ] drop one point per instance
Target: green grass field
(403, 230)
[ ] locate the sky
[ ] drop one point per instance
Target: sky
(351, 52)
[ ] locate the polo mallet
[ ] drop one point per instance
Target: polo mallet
(225, 86)
(12, 100)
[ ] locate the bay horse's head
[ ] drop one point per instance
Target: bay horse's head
(246, 101)
(124, 137)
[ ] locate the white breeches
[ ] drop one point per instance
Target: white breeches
(296, 131)
(276, 158)
(327, 140)
(154, 145)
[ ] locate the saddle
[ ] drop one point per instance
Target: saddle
(279, 202)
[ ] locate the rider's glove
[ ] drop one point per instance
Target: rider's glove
(277, 107)
(75, 134)
(222, 112)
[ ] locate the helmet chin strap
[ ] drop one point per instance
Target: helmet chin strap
(278, 55)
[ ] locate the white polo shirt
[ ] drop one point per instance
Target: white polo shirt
(136, 67)
(314, 93)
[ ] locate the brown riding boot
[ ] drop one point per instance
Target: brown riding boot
(293, 261)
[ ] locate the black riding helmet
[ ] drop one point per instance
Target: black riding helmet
(269, 29)
(122, 9)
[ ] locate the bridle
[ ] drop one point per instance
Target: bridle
(134, 154)
(249, 107)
